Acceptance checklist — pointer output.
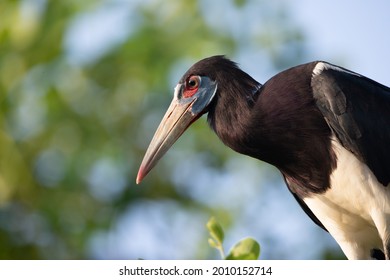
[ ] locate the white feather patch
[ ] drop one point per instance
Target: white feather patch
(322, 66)
(356, 208)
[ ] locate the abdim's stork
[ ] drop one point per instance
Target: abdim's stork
(325, 128)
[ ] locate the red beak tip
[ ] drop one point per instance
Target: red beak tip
(140, 176)
(138, 180)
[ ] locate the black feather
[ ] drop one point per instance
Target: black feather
(358, 111)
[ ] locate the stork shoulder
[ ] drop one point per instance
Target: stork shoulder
(357, 110)
(321, 66)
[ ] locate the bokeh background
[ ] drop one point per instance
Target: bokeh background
(83, 86)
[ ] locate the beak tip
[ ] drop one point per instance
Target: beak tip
(142, 172)
(139, 177)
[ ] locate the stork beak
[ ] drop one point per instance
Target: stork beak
(176, 120)
(180, 115)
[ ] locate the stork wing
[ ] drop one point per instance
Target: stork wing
(357, 109)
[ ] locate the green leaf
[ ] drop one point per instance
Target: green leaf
(213, 244)
(216, 231)
(246, 249)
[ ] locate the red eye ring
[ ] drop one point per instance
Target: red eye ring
(191, 86)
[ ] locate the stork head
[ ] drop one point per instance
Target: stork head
(214, 79)
(191, 98)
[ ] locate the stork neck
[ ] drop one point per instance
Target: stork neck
(283, 127)
(230, 111)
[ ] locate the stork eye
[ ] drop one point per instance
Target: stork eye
(192, 85)
(193, 82)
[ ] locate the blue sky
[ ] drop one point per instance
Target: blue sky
(354, 33)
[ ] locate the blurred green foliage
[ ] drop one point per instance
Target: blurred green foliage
(245, 249)
(75, 122)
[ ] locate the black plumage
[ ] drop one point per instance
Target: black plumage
(276, 128)
(358, 111)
